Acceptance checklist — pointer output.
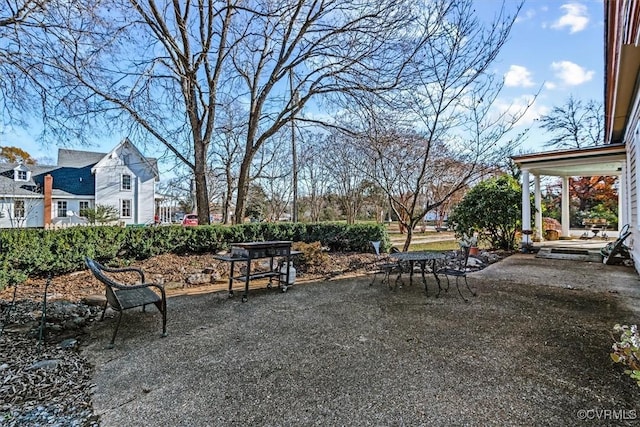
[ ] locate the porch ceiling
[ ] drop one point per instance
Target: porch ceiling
(592, 161)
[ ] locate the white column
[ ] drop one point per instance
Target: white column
(565, 222)
(621, 213)
(537, 197)
(526, 209)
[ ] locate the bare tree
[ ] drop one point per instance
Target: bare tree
(453, 134)
(143, 67)
(343, 164)
(159, 69)
(226, 152)
(576, 124)
(275, 178)
(334, 47)
(18, 84)
(314, 178)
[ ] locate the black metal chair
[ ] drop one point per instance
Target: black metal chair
(458, 269)
(122, 297)
(617, 251)
(384, 265)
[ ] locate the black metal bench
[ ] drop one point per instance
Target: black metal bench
(122, 296)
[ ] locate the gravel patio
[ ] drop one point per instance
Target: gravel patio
(530, 349)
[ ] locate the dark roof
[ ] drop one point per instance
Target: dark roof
(69, 181)
(21, 188)
(71, 177)
(74, 181)
(78, 159)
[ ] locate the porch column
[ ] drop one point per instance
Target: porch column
(622, 217)
(565, 222)
(538, 205)
(526, 210)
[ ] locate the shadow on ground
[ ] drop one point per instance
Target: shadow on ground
(531, 349)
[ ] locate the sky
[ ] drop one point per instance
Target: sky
(556, 47)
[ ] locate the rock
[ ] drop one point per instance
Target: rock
(474, 263)
(45, 364)
(95, 300)
(69, 343)
(173, 285)
(198, 279)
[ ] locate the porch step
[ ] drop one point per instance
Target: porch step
(575, 254)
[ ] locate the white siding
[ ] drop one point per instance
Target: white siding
(632, 142)
(34, 214)
(108, 178)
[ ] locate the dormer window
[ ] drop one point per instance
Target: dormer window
(21, 173)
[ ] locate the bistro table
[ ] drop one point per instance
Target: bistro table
(422, 258)
(250, 251)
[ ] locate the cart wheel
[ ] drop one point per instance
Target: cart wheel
(244, 298)
(284, 289)
(230, 294)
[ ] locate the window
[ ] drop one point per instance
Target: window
(126, 182)
(125, 210)
(18, 209)
(83, 206)
(62, 209)
(21, 175)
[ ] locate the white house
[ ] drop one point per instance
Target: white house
(622, 105)
(34, 195)
(620, 154)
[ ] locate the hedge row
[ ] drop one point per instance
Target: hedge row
(36, 252)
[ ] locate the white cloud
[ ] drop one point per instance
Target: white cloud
(528, 15)
(575, 17)
(518, 76)
(550, 85)
(517, 107)
(571, 74)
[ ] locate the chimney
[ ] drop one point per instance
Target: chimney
(48, 189)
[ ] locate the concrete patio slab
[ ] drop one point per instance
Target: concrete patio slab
(531, 349)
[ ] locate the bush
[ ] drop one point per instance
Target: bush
(493, 209)
(36, 252)
(627, 350)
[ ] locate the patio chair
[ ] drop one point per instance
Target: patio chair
(122, 296)
(384, 265)
(458, 269)
(617, 251)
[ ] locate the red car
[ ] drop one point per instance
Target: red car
(190, 220)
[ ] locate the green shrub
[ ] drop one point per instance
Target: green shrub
(493, 208)
(37, 252)
(627, 350)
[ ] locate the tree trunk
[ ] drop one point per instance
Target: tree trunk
(243, 190)
(202, 195)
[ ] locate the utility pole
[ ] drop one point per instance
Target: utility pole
(294, 103)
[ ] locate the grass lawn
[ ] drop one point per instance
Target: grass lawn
(443, 245)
